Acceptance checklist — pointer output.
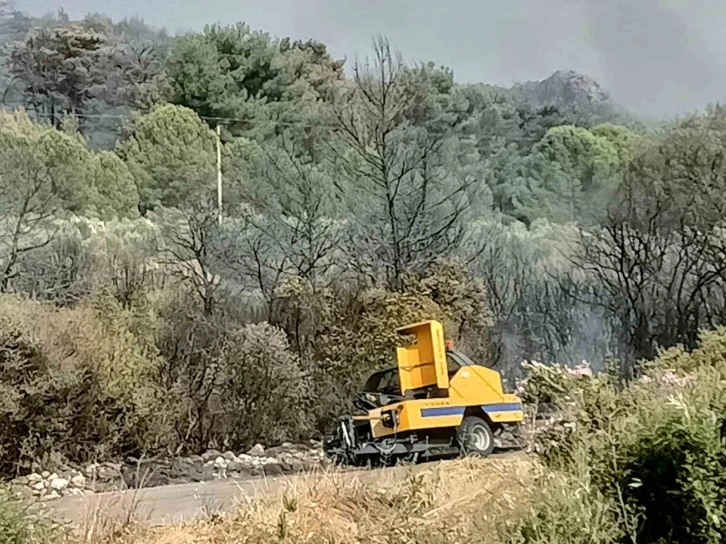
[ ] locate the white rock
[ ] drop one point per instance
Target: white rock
(58, 483)
(220, 462)
(35, 477)
(257, 451)
(53, 494)
(79, 480)
(45, 474)
(38, 485)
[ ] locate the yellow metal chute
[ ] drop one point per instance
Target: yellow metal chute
(423, 364)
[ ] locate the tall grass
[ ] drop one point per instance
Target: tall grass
(449, 503)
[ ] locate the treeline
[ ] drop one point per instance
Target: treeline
(141, 321)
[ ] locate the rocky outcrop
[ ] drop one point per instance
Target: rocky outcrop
(565, 88)
(138, 473)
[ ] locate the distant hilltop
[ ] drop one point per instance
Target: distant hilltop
(564, 88)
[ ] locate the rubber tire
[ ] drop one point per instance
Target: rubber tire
(467, 440)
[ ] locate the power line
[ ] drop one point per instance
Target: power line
(202, 117)
(231, 120)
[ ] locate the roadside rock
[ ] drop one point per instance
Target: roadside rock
(257, 451)
(52, 494)
(59, 483)
(274, 469)
(134, 473)
(210, 455)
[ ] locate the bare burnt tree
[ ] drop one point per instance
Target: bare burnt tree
(137, 76)
(294, 214)
(291, 232)
(189, 343)
(57, 272)
(539, 311)
(252, 258)
(301, 204)
(191, 248)
(406, 196)
(28, 200)
(659, 259)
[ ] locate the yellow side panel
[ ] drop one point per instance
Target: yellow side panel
(480, 386)
(440, 413)
(424, 363)
(476, 385)
(418, 414)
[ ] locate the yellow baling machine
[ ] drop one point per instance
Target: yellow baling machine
(435, 402)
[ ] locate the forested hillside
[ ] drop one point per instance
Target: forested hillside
(540, 222)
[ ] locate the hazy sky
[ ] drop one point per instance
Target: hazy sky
(655, 56)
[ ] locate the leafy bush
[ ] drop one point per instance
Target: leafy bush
(35, 414)
(343, 335)
(114, 347)
(567, 509)
(76, 384)
(263, 392)
(653, 451)
(230, 385)
(21, 523)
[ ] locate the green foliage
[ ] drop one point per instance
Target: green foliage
(574, 173)
(34, 394)
(47, 171)
(172, 155)
(651, 455)
(23, 523)
(567, 509)
(117, 192)
(464, 301)
(236, 73)
(77, 384)
(43, 169)
(625, 140)
(263, 392)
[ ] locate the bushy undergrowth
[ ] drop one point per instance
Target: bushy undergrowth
(637, 462)
(154, 374)
(23, 523)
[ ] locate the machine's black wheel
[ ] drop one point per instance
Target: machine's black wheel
(475, 437)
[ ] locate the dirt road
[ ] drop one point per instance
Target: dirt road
(169, 504)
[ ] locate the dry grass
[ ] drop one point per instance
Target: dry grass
(456, 502)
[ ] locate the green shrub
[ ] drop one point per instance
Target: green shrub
(569, 509)
(654, 450)
(22, 523)
(35, 412)
(677, 475)
(262, 392)
(77, 384)
(343, 334)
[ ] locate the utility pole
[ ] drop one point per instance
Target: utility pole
(219, 171)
